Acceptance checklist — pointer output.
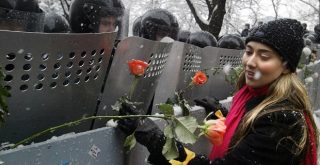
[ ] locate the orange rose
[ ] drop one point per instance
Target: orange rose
(214, 130)
(137, 67)
(199, 78)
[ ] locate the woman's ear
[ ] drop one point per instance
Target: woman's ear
(286, 71)
(285, 68)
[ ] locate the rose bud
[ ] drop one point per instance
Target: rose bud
(137, 67)
(199, 78)
(214, 130)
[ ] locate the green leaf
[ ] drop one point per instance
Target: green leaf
(130, 142)
(185, 128)
(4, 91)
(216, 71)
(170, 150)
(3, 105)
(168, 131)
(3, 95)
(166, 109)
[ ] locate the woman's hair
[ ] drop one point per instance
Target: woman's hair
(286, 87)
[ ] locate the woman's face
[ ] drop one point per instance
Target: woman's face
(262, 64)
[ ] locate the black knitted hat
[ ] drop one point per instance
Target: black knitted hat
(284, 35)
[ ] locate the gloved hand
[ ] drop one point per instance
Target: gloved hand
(211, 105)
(148, 134)
(128, 125)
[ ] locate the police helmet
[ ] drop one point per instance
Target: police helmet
(136, 26)
(231, 41)
(21, 15)
(202, 39)
(159, 22)
(311, 36)
(183, 35)
(317, 29)
(55, 23)
(28, 5)
(85, 14)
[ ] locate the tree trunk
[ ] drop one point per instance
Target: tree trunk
(215, 16)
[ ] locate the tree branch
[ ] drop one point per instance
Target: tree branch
(275, 8)
(214, 23)
(65, 13)
(209, 6)
(235, 28)
(195, 14)
(67, 4)
(311, 5)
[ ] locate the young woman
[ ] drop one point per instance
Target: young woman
(270, 119)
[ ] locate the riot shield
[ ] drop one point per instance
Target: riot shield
(52, 78)
(119, 79)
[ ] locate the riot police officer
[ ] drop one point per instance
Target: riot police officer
(202, 39)
(183, 35)
(159, 23)
(305, 28)
(245, 31)
(55, 23)
(317, 33)
(310, 36)
(231, 41)
(94, 16)
(136, 26)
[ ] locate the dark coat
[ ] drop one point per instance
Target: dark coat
(245, 33)
(271, 140)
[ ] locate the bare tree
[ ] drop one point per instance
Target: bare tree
(60, 7)
(275, 6)
(315, 5)
(215, 15)
(234, 8)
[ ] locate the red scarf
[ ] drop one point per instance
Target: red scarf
(311, 157)
(234, 117)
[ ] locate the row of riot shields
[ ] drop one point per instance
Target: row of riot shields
(57, 78)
